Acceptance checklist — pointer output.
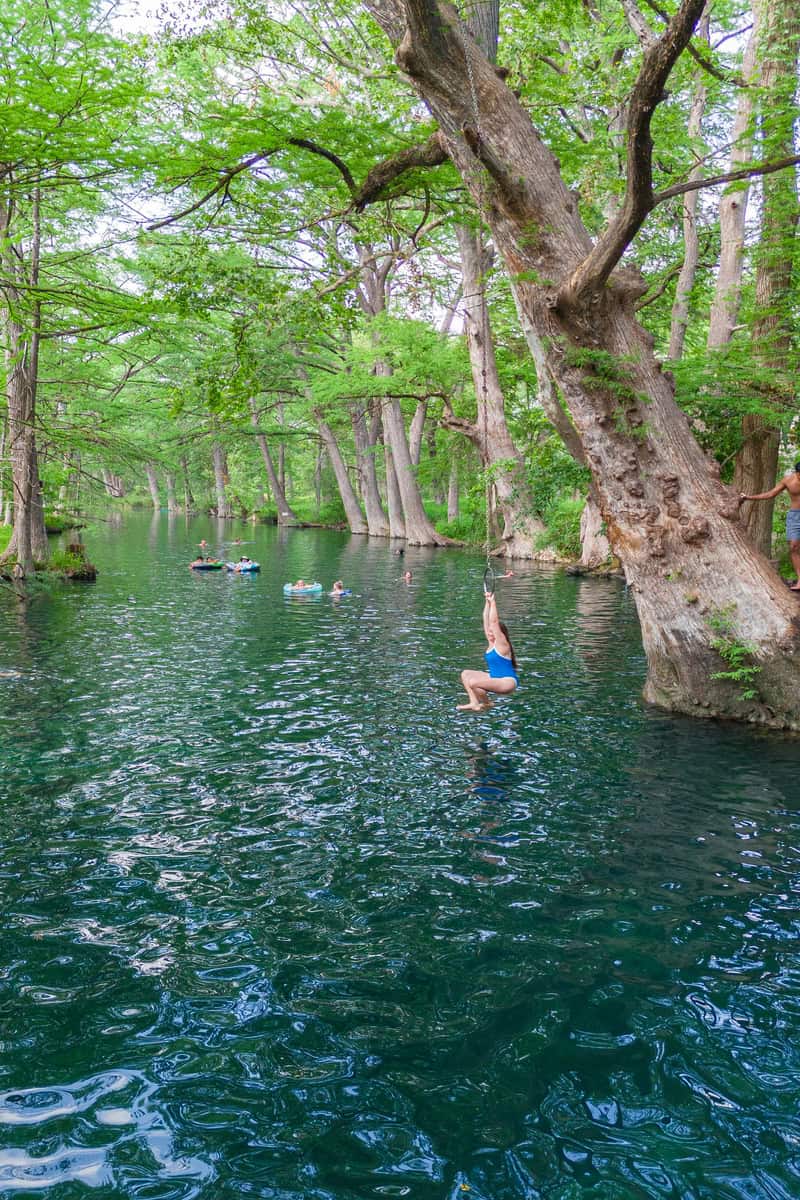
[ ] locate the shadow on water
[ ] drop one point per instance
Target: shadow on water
(279, 921)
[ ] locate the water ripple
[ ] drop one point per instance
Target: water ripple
(278, 921)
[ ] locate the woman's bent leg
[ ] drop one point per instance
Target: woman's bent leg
(475, 704)
(478, 683)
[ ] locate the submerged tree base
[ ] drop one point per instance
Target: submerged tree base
(609, 570)
(71, 563)
(51, 571)
(87, 571)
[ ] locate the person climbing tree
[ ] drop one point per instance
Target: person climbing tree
(791, 483)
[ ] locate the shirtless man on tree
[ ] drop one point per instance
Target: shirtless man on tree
(791, 483)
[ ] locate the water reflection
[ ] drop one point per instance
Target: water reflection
(597, 624)
(489, 772)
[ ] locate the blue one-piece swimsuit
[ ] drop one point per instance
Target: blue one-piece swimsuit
(500, 667)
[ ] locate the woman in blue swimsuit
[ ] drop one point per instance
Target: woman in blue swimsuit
(501, 677)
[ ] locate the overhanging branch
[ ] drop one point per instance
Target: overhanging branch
(222, 184)
(430, 153)
(700, 59)
(693, 185)
(648, 92)
(341, 166)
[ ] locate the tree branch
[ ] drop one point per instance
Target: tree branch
(700, 59)
(638, 24)
(693, 185)
(579, 133)
(430, 153)
(340, 165)
(648, 92)
(222, 184)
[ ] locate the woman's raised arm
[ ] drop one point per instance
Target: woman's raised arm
(487, 608)
(501, 643)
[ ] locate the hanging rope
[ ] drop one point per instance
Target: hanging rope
(488, 574)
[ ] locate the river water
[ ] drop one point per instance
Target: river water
(277, 921)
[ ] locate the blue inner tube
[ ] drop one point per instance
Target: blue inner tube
(212, 566)
(309, 590)
(243, 568)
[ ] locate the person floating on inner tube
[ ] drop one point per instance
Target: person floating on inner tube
(501, 678)
(338, 588)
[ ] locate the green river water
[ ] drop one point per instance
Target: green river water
(277, 921)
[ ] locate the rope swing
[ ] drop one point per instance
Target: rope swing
(488, 574)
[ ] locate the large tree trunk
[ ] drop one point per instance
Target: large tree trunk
(152, 483)
(452, 492)
(188, 498)
(318, 481)
(283, 475)
(417, 426)
(500, 457)
(671, 522)
(437, 469)
(757, 461)
(416, 430)
(352, 510)
(394, 503)
(28, 542)
(365, 444)
(595, 546)
(172, 499)
(3, 440)
(114, 484)
(418, 526)
(286, 515)
(691, 244)
(220, 459)
(733, 208)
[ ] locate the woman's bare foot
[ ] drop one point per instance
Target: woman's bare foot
(470, 707)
